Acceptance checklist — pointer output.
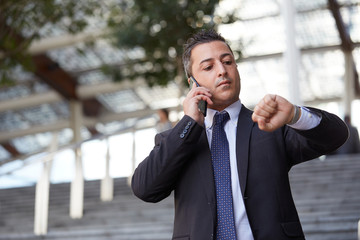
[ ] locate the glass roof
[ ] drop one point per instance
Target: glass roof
(122, 101)
(259, 34)
(26, 84)
(92, 78)
(84, 57)
(12, 120)
(160, 97)
(314, 33)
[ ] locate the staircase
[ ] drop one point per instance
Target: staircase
(326, 193)
(124, 218)
(327, 196)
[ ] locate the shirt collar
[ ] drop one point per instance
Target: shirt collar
(233, 110)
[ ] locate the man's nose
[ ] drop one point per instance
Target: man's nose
(221, 69)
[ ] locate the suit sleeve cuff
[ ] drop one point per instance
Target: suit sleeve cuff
(307, 120)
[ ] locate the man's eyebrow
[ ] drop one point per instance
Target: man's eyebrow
(225, 55)
(221, 57)
(206, 60)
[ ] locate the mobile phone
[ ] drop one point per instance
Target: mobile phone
(202, 104)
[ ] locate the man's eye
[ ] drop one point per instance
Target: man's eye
(228, 62)
(208, 68)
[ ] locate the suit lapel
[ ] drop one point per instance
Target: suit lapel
(206, 171)
(243, 132)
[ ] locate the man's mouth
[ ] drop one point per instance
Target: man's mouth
(224, 82)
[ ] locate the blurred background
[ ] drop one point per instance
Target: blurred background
(82, 82)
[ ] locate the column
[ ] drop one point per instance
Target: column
(349, 89)
(77, 185)
(292, 53)
(133, 159)
(42, 191)
(107, 183)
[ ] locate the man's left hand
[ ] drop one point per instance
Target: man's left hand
(273, 112)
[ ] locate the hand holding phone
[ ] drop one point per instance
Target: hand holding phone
(202, 105)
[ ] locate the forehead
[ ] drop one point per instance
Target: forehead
(210, 50)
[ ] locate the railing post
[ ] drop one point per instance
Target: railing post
(133, 159)
(77, 185)
(107, 183)
(42, 192)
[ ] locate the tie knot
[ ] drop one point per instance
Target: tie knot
(221, 118)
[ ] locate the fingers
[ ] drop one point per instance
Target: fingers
(263, 125)
(272, 112)
(266, 108)
(190, 104)
(268, 103)
(200, 93)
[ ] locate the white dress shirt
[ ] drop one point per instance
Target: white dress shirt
(306, 121)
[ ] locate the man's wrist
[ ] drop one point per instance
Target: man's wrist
(297, 114)
(308, 119)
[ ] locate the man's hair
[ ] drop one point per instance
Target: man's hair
(203, 36)
(165, 111)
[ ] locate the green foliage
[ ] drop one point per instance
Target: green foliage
(23, 21)
(160, 28)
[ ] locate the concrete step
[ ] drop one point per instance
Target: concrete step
(326, 193)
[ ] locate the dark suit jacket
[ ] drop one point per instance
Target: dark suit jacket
(181, 161)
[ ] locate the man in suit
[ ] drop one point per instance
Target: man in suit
(263, 146)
